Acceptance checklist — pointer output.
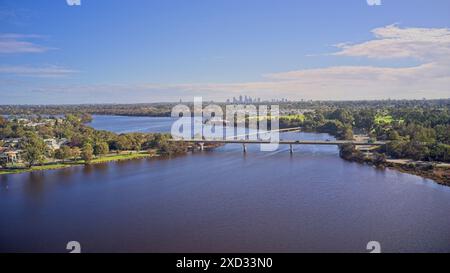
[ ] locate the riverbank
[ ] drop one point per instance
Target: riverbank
(61, 165)
(438, 172)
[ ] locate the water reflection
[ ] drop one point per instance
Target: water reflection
(4, 182)
(35, 184)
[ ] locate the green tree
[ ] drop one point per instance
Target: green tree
(346, 151)
(347, 133)
(3, 122)
(364, 119)
(85, 118)
(75, 153)
(6, 132)
(101, 148)
(331, 126)
(3, 163)
(123, 143)
(18, 131)
(393, 135)
(396, 148)
(73, 120)
(343, 115)
(443, 133)
(87, 153)
(63, 153)
(33, 148)
(46, 131)
(441, 152)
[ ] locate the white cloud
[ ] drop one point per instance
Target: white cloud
(19, 43)
(365, 73)
(430, 79)
(427, 44)
(45, 71)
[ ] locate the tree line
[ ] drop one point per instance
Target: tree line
(82, 141)
(419, 131)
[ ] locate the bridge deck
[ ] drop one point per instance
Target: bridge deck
(289, 142)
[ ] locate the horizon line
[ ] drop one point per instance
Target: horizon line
(221, 102)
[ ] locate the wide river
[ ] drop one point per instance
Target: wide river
(223, 201)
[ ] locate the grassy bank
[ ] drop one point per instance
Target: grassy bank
(98, 160)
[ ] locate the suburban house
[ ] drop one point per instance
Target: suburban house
(9, 155)
(55, 144)
(41, 123)
(11, 142)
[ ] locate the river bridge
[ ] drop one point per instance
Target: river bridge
(242, 139)
(202, 142)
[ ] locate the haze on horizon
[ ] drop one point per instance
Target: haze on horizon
(153, 51)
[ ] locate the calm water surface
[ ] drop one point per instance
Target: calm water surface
(223, 200)
(122, 124)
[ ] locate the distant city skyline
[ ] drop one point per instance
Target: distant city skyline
(161, 51)
(244, 99)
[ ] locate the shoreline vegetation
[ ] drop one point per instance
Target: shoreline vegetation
(440, 175)
(436, 171)
(417, 131)
(62, 165)
(36, 143)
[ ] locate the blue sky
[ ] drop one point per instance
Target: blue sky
(113, 51)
